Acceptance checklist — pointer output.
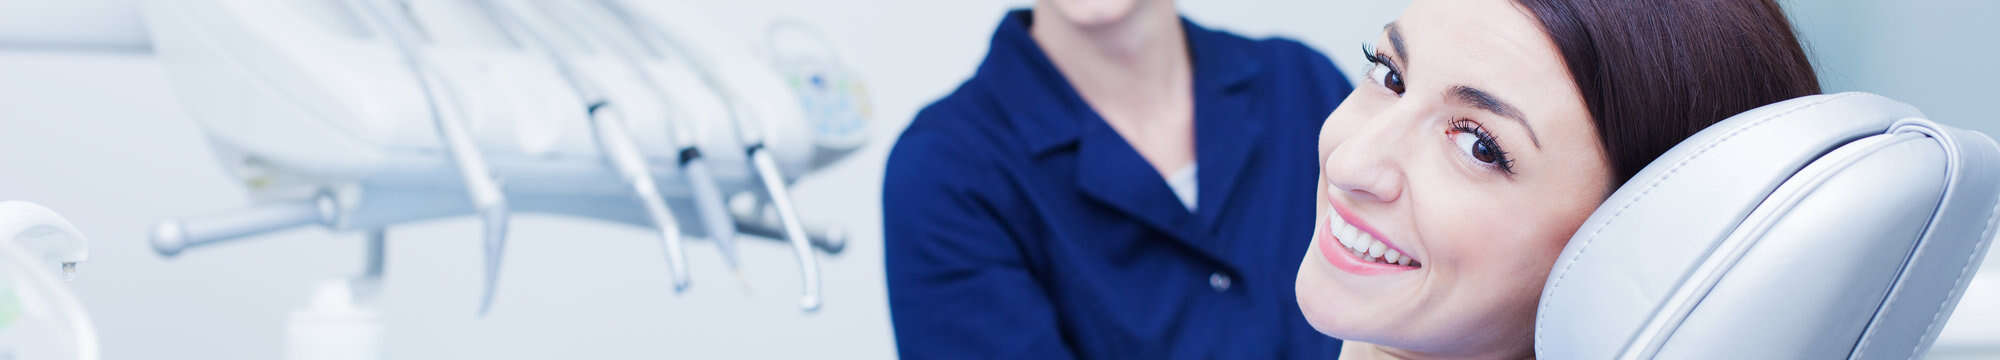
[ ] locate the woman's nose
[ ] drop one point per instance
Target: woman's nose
(1367, 167)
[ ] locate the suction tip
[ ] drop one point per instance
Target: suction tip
(496, 243)
(676, 262)
(492, 283)
(742, 282)
(486, 295)
(809, 304)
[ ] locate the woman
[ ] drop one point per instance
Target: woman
(1484, 135)
(1114, 182)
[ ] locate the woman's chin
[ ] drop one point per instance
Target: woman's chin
(1327, 306)
(1338, 311)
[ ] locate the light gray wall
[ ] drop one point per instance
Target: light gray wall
(1936, 54)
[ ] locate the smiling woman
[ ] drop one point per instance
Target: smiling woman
(1486, 131)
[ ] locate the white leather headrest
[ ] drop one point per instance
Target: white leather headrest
(1828, 226)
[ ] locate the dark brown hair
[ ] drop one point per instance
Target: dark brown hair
(1653, 72)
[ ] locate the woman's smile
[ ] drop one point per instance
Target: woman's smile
(1351, 245)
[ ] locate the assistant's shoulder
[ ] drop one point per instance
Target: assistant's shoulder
(969, 116)
(963, 131)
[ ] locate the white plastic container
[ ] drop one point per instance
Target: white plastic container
(39, 317)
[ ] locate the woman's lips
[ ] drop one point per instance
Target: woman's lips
(1355, 247)
(1344, 259)
(1355, 221)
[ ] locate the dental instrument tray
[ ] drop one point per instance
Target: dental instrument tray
(359, 115)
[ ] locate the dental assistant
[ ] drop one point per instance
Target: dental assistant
(1113, 182)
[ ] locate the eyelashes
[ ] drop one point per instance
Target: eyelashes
(1381, 71)
(1480, 145)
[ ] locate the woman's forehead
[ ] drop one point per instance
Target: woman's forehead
(1499, 48)
(1492, 45)
(1476, 41)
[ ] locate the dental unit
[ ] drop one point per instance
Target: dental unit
(361, 115)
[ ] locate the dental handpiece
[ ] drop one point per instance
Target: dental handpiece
(714, 210)
(749, 130)
(795, 230)
(625, 156)
(609, 126)
(480, 185)
(709, 201)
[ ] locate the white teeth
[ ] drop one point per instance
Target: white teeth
(1346, 234)
(1338, 234)
(1365, 246)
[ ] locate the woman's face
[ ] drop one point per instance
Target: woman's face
(1468, 153)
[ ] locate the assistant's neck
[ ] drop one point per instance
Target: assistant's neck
(1136, 74)
(1136, 61)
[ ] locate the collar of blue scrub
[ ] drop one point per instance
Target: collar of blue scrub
(1051, 116)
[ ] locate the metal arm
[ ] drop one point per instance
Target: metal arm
(369, 283)
(173, 236)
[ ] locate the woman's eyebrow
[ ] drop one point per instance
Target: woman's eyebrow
(1396, 42)
(1486, 101)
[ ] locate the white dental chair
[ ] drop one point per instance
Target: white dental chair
(1832, 226)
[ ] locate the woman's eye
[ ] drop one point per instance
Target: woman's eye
(1379, 71)
(1476, 148)
(1480, 146)
(1387, 77)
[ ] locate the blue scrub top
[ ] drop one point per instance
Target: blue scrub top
(1019, 225)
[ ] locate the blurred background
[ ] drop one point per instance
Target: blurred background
(90, 128)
